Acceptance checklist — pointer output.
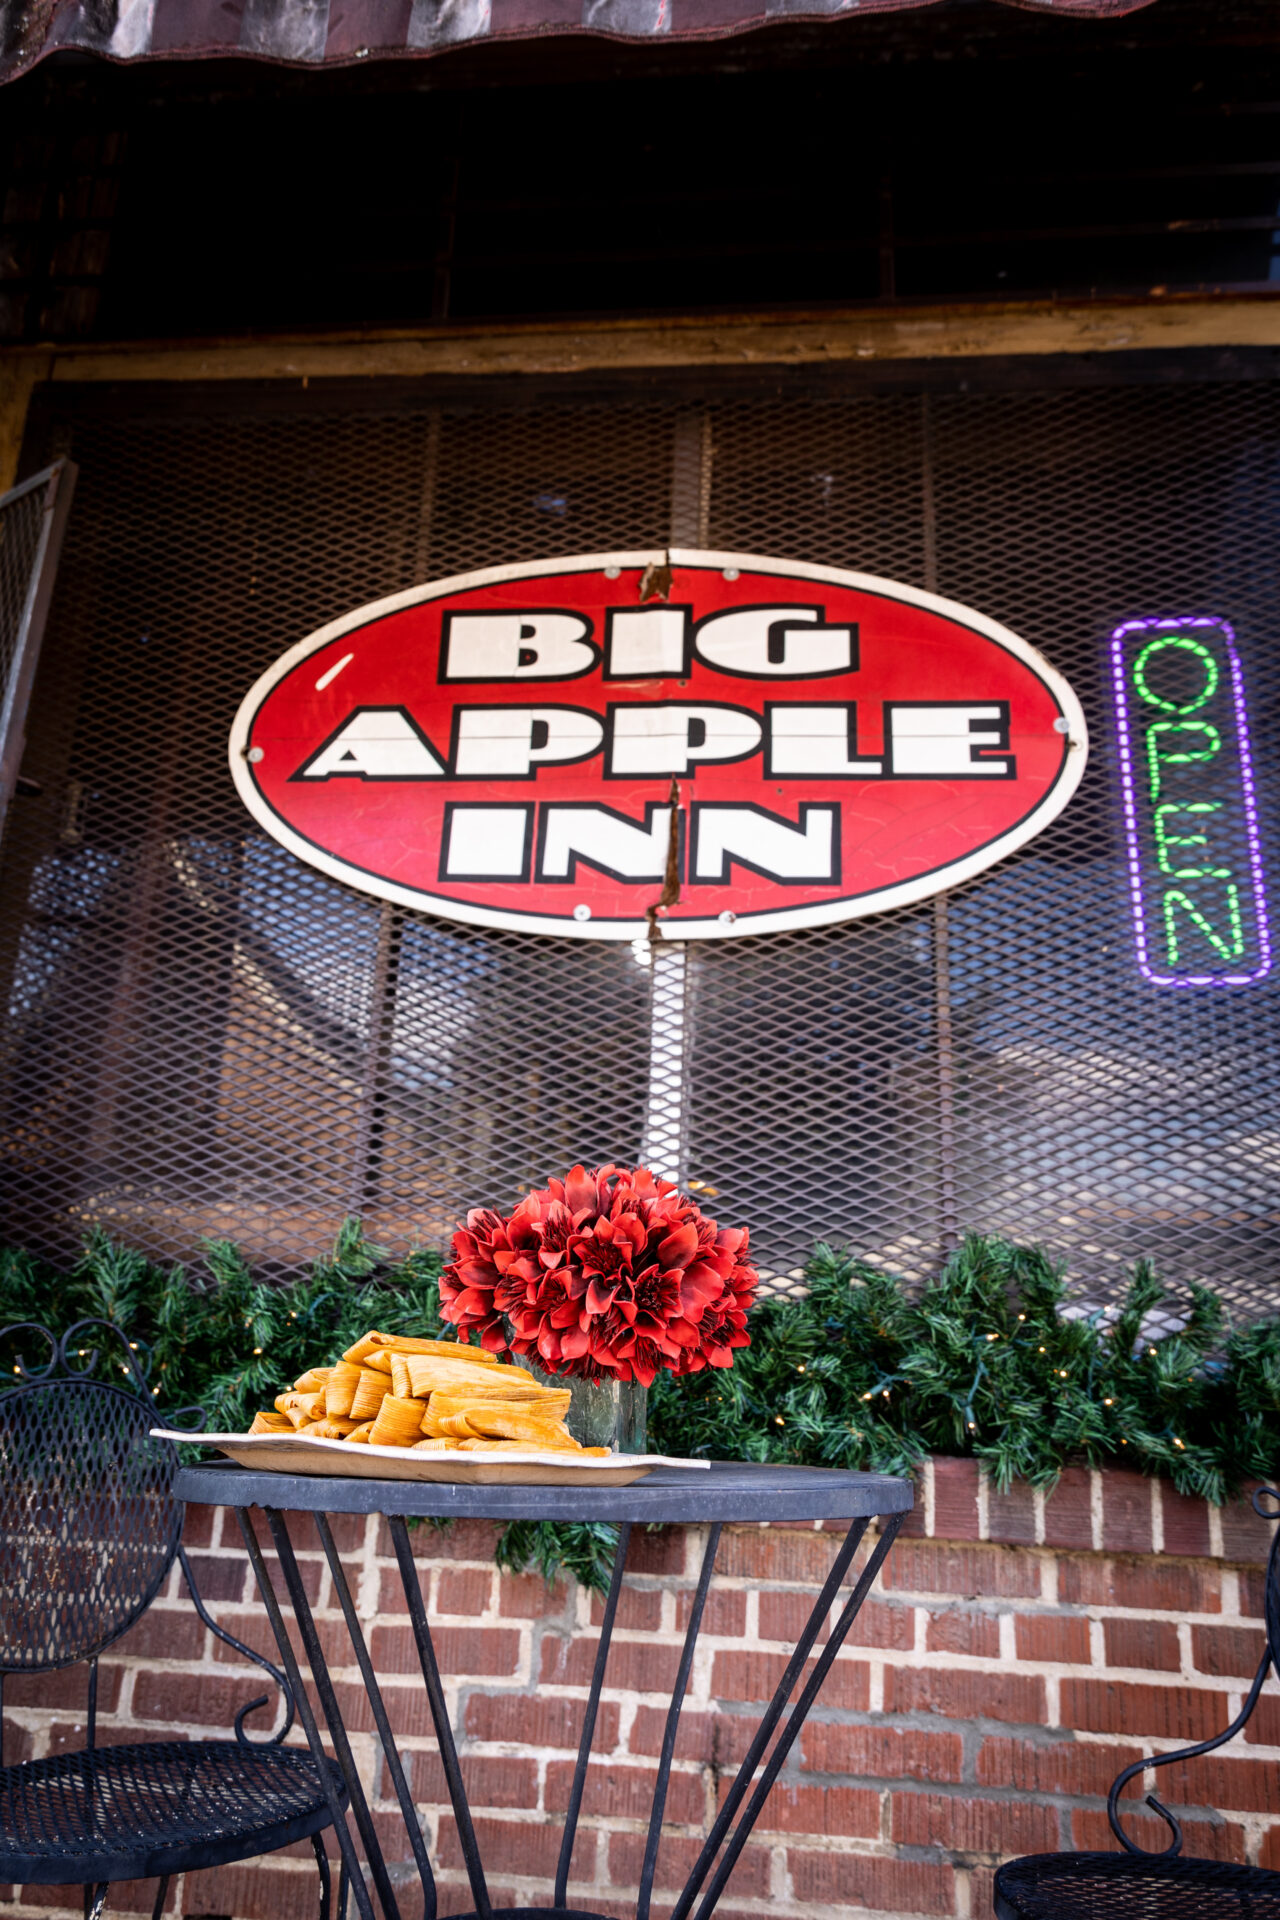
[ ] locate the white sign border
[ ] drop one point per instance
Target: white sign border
(817, 914)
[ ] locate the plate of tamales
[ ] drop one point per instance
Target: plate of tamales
(395, 1407)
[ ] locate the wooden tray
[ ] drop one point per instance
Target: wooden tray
(294, 1453)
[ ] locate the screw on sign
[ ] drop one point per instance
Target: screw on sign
(769, 745)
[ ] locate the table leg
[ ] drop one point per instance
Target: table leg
(673, 1725)
(797, 1717)
(332, 1712)
(288, 1660)
(773, 1714)
(589, 1718)
(383, 1724)
(439, 1714)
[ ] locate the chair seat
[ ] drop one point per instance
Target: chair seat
(1112, 1886)
(134, 1813)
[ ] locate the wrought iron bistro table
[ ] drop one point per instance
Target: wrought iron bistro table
(723, 1494)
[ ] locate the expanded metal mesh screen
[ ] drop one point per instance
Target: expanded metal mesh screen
(206, 1037)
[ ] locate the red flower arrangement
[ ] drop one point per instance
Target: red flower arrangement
(608, 1273)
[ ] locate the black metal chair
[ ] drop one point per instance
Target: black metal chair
(1140, 1885)
(89, 1529)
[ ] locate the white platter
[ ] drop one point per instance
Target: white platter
(295, 1453)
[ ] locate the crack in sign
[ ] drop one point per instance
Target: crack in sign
(655, 581)
(670, 895)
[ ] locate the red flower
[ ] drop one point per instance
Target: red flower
(608, 1272)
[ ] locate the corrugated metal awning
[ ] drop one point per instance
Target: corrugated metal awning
(338, 32)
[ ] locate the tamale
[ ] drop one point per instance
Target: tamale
(339, 1390)
(399, 1423)
(371, 1390)
(312, 1380)
(372, 1342)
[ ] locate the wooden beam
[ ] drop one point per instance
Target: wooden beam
(20, 373)
(615, 345)
(736, 340)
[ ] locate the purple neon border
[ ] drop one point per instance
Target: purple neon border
(1249, 794)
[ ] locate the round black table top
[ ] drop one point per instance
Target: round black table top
(726, 1491)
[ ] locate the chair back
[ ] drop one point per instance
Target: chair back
(1266, 1502)
(89, 1525)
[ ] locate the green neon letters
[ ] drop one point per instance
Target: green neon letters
(1169, 743)
(1171, 833)
(1176, 643)
(1195, 867)
(1228, 947)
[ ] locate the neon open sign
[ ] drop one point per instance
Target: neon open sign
(1195, 865)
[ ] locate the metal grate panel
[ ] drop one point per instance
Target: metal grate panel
(21, 520)
(206, 1037)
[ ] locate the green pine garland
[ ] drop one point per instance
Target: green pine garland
(857, 1373)
(982, 1363)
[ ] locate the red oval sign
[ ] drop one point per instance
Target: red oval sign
(741, 744)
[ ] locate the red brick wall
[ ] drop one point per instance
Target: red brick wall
(1017, 1653)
